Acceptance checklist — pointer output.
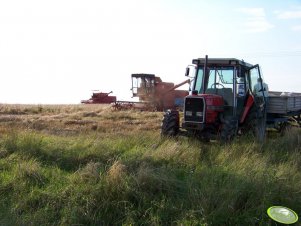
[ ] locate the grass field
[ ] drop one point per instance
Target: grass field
(90, 165)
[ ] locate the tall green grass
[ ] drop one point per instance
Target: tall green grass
(137, 178)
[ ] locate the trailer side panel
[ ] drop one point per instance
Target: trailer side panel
(283, 104)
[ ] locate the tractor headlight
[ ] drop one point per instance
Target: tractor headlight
(199, 114)
(188, 113)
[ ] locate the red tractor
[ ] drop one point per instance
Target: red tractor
(222, 102)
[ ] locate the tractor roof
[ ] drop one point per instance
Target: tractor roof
(221, 61)
(142, 75)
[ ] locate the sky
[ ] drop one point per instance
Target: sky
(59, 51)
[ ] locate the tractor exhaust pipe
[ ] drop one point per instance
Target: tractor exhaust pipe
(205, 79)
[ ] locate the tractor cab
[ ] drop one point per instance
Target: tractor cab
(230, 78)
(221, 100)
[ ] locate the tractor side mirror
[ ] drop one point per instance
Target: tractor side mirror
(191, 71)
(187, 71)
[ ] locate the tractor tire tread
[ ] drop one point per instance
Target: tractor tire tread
(170, 124)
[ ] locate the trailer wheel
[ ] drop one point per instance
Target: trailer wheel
(285, 127)
(170, 123)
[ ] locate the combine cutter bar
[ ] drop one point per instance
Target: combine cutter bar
(126, 105)
(123, 105)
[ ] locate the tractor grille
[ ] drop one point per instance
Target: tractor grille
(194, 109)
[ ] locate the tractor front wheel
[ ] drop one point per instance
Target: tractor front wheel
(228, 131)
(170, 123)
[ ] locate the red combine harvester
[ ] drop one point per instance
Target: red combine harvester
(100, 98)
(157, 95)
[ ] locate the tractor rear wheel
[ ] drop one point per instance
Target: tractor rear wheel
(170, 123)
(261, 128)
(256, 125)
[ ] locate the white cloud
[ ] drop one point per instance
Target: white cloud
(258, 25)
(296, 28)
(289, 14)
(254, 12)
(256, 20)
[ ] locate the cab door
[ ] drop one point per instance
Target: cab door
(259, 102)
(255, 82)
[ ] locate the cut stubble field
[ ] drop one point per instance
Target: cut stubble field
(91, 165)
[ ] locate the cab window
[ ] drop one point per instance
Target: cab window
(199, 80)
